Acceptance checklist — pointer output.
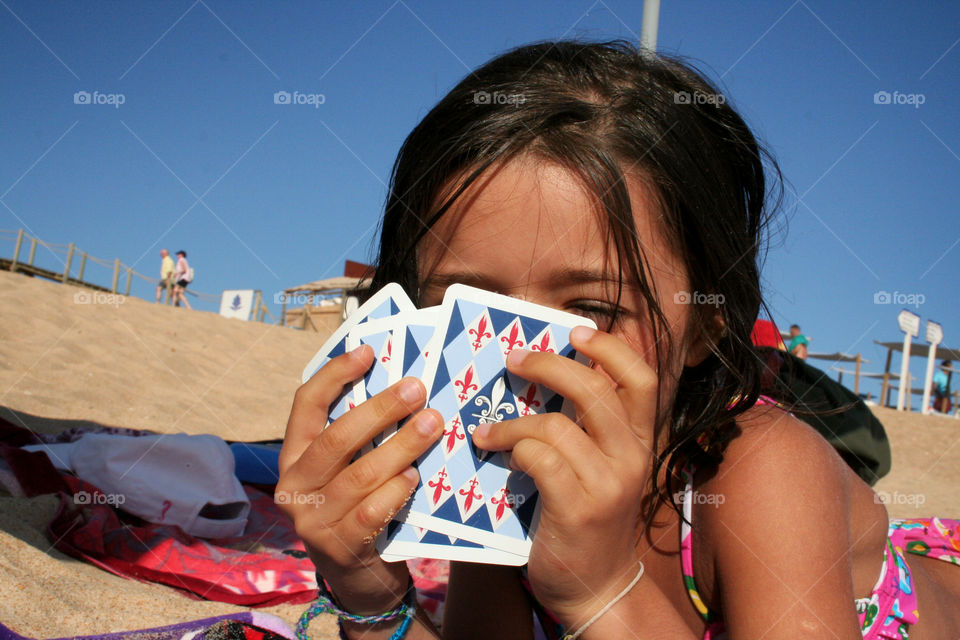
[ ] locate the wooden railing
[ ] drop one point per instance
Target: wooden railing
(71, 254)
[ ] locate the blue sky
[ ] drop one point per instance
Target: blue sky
(266, 196)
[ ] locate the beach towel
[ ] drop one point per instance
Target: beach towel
(239, 626)
(267, 565)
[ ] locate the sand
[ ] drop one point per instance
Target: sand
(130, 363)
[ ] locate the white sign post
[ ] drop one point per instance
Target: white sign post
(934, 337)
(910, 325)
(237, 304)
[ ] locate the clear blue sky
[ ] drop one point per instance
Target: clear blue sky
(267, 196)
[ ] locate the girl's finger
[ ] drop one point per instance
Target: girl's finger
(366, 520)
(617, 358)
(557, 432)
(555, 479)
(370, 471)
(312, 401)
(599, 407)
(358, 526)
(329, 452)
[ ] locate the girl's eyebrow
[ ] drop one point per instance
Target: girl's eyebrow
(561, 277)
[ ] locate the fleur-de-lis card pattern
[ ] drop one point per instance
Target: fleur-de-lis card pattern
(465, 492)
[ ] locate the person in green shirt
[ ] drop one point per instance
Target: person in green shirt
(798, 342)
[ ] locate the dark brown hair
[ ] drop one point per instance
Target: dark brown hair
(600, 109)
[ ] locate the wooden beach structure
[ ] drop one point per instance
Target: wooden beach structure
(857, 360)
(324, 303)
(919, 350)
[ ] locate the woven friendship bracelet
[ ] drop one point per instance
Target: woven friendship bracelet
(576, 634)
(326, 603)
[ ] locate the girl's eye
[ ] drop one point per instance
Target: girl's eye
(596, 310)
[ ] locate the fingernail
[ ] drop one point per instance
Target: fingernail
(482, 430)
(426, 424)
(410, 391)
(517, 356)
(355, 352)
(581, 334)
(411, 474)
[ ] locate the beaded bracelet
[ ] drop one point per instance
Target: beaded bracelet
(326, 603)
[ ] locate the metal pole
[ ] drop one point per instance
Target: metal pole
(129, 277)
(650, 25)
(83, 265)
(66, 269)
(934, 336)
(904, 372)
(16, 250)
(33, 251)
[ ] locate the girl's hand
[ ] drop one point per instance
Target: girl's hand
(591, 479)
(338, 507)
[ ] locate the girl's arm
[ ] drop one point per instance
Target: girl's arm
(486, 601)
(780, 539)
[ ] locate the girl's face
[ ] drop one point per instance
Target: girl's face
(530, 230)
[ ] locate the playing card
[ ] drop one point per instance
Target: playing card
(391, 299)
(467, 493)
(402, 541)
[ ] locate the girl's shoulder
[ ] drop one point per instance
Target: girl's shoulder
(776, 455)
(783, 501)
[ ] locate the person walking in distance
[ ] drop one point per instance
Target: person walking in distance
(166, 276)
(182, 277)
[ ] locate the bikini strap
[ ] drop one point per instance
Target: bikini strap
(686, 545)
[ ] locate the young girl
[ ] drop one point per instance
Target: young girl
(681, 503)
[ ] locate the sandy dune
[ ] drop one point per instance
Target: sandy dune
(65, 362)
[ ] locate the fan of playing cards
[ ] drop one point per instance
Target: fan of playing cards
(469, 505)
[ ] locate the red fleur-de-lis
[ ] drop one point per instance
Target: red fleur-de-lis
(505, 502)
(511, 341)
(386, 358)
(527, 400)
(544, 345)
(470, 495)
(454, 433)
(438, 486)
(350, 405)
(466, 385)
(480, 333)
